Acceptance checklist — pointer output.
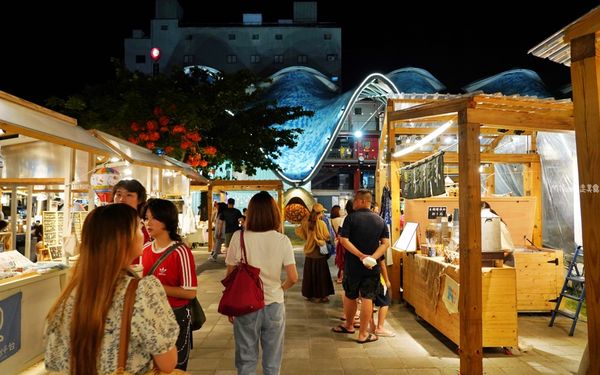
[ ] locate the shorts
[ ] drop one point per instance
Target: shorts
(228, 238)
(360, 286)
(382, 300)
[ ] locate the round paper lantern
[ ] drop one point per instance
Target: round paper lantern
(102, 182)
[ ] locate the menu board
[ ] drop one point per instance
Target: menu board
(78, 219)
(53, 222)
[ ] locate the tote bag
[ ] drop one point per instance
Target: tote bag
(243, 292)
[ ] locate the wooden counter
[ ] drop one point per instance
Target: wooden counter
(424, 281)
(540, 277)
(39, 293)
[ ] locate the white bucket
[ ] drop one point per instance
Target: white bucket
(490, 234)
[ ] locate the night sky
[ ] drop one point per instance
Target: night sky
(41, 56)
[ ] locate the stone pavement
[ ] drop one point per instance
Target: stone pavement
(417, 348)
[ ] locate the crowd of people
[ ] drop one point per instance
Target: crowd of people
(83, 327)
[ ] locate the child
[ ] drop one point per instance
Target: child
(383, 301)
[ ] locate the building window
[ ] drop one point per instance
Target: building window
(164, 27)
(188, 59)
(255, 59)
(327, 36)
(278, 59)
(140, 59)
(302, 59)
(255, 37)
(332, 57)
(357, 111)
(278, 36)
(231, 36)
(231, 59)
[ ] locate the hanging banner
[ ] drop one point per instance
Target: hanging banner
(10, 325)
(424, 178)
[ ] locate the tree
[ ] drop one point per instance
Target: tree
(199, 118)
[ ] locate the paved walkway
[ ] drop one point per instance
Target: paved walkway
(417, 348)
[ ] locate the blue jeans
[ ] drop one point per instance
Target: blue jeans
(217, 247)
(266, 325)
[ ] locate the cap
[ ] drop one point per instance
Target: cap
(318, 207)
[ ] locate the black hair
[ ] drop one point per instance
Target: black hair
(166, 212)
(133, 186)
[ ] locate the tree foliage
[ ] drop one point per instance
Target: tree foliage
(198, 118)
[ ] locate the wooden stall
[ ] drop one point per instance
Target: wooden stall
(576, 46)
(469, 118)
(44, 151)
(245, 185)
(428, 294)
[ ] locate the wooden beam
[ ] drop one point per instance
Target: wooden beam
(585, 77)
(559, 122)
(401, 129)
(470, 300)
(59, 140)
(251, 185)
(586, 25)
(493, 144)
(395, 228)
(453, 157)
(429, 109)
(536, 191)
(31, 181)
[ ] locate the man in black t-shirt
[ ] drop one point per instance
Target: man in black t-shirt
(364, 234)
(231, 217)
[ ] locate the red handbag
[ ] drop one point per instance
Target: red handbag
(243, 292)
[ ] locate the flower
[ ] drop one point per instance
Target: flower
(163, 132)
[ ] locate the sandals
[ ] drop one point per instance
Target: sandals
(370, 338)
(342, 329)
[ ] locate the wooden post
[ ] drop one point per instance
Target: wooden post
(469, 199)
(585, 76)
(91, 166)
(209, 194)
(490, 180)
(280, 205)
(536, 192)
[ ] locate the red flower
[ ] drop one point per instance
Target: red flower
(151, 125)
(133, 140)
(164, 129)
(185, 144)
(135, 126)
(210, 150)
(203, 163)
(194, 136)
(144, 136)
(178, 129)
(169, 149)
(150, 145)
(164, 121)
(157, 111)
(154, 136)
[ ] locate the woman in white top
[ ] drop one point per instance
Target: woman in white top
(270, 250)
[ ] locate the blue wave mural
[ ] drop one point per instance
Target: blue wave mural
(307, 87)
(522, 82)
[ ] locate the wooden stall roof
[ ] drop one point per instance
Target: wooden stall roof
(557, 47)
(496, 111)
(250, 185)
(187, 170)
(132, 153)
(20, 117)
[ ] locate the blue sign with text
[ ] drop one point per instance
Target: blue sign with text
(10, 325)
